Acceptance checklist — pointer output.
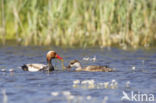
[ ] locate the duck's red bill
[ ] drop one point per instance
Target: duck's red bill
(58, 57)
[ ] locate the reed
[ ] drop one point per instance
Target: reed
(124, 23)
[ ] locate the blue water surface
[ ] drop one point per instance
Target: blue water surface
(30, 87)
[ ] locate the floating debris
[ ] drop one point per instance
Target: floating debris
(88, 97)
(106, 84)
(11, 70)
(90, 84)
(85, 58)
(54, 93)
(89, 58)
(3, 70)
(114, 84)
(70, 97)
(128, 84)
(76, 83)
(133, 68)
(100, 86)
(66, 93)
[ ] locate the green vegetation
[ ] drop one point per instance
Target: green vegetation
(81, 23)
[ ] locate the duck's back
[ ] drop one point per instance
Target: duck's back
(95, 68)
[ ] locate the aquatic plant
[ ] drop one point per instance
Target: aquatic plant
(79, 23)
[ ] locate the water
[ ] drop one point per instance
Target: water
(27, 87)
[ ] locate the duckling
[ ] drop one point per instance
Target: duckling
(90, 68)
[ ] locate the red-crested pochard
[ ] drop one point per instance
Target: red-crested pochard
(91, 68)
(38, 67)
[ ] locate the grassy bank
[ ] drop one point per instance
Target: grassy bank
(79, 22)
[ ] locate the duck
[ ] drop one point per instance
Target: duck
(90, 68)
(39, 67)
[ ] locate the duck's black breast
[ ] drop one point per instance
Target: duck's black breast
(47, 68)
(24, 67)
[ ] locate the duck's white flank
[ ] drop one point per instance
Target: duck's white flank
(35, 67)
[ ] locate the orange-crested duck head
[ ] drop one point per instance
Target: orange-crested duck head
(53, 55)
